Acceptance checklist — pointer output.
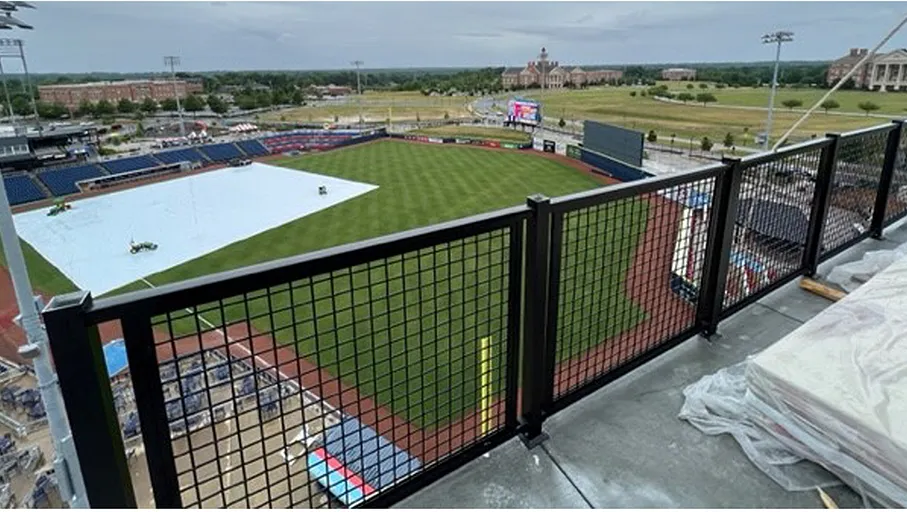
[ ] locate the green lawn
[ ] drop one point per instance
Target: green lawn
(406, 330)
(616, 105)
(475, 132)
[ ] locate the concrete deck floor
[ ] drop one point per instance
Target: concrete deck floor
(624, 447)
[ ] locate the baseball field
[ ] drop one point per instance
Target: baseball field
(419, 317)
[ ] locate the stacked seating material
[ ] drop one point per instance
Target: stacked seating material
(221, 152)
(130, 164)
(252, 147)
(181, 155)
(834, 391)
(63, 181)
(21, 189)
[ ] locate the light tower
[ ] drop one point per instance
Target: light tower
(67, 470)
(173, 61)
(780, 37)
(358, 63)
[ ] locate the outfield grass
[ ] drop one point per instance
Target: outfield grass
(406, 330)
(475, 132)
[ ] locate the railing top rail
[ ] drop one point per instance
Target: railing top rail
(633, 188)
(792, 150)
(871, 129)
(213, 287)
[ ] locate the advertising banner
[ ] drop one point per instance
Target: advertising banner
(549, 146)
(436, 140)
(537, 144)
(463, 141)
(560, 148)
(574, 151)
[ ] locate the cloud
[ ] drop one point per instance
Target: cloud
(132, 36)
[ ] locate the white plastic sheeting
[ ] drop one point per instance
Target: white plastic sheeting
(834, 391)
(187, 217)
(717, 404)
(850, 276)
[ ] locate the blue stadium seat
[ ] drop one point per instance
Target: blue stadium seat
(134, 163)
(252, 147)
(181, 155)
(63, 181)
(21, 189)
(221, 152)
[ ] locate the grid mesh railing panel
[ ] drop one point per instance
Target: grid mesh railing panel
(627, 281)
(353, 380)
(771, 223)
(854, 187)
(897, 197)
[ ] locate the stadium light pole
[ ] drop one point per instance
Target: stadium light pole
(173, 61)
(777, 38)
(358, 63)
(66, 463)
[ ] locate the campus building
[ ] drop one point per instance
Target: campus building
(881, 72)
(677, 74)
(71, 95)
(548, 74)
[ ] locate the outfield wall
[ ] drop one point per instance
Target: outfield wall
(609, 166)
(462, 140)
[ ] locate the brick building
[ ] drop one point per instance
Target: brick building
(548, 74)
(841, 66)
(677, 74)
(71, 95)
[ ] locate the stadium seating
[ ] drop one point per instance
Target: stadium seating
(252, 147)
(21, 189)
(221, 152)
(63, 181)
(307, 139)
(134, 163)
(181, 155)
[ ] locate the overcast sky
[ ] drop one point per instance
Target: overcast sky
(133, 36)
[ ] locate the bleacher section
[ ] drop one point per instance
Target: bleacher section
(181, 155)
(221, 152)
(308, 139)
(63, 181)
(134, 163)
(21, 189)
(252, 147)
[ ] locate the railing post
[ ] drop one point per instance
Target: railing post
(891, 157)
(718, 246)
(535, 320)
(144, 369)
(85, 385)
(819, 212)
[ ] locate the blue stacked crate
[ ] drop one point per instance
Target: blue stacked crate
(63, 181)
(252, 147)
(134, 163)
(181, 155)
(221, 152)
(21, 189)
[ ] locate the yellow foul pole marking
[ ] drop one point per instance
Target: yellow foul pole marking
(485, 355)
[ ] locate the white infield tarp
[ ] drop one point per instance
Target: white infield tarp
(186, 217)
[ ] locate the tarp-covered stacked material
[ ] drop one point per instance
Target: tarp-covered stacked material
(355, 461)
(835, 389)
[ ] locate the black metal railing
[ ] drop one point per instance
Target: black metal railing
(354, 376)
